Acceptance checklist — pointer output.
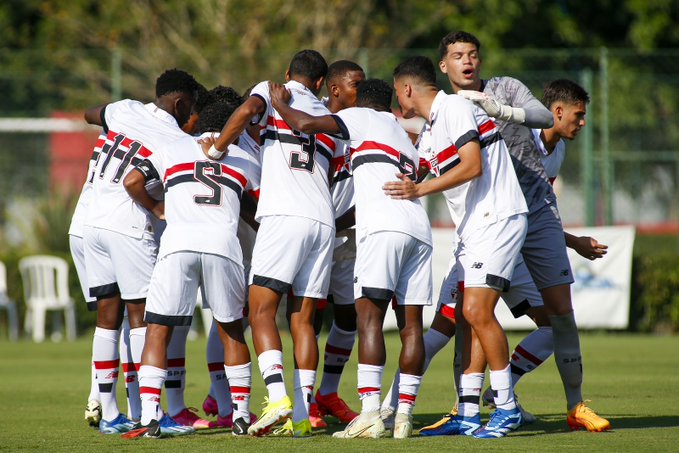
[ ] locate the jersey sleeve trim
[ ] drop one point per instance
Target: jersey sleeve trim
(344, 131)
(466, 138)
(146, 168)
(102, 116)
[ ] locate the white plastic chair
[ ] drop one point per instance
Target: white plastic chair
(45, 280)
(8, 304)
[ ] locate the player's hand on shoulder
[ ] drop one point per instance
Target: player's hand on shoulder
(279, 94)
(208, 146)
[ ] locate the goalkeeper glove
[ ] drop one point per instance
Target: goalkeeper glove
(493, 107)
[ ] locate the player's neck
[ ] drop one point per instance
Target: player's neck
(550, 138)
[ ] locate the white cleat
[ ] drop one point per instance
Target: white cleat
(387, 415)
(368, 425)
(403, 426)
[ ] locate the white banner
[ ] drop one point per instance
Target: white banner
(601, 292)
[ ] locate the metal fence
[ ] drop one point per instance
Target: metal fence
(623, 168)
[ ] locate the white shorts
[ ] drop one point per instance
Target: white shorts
(390, 263)
(522, 294)
(175, 282)
(342, 282)
(116, 263)
(77, 247)
(488, 254)
(293, 253)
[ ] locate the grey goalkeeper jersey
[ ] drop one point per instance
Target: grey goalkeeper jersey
(519, 139)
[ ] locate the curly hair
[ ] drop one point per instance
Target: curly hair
(177, 81)
(220, 103)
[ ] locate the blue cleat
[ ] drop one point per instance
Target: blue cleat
(453, 425)
(501, 423)
(120, 424)
(170, 428)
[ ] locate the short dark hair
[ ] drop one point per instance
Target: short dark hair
(221, 103)
(419, 67)
(177, 81)
(340, 68)
(374, 93)
(457, 36)
(308, 63)
(564, 90)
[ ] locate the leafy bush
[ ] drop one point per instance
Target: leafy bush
(655, 295)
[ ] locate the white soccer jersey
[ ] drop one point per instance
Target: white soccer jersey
(552, 161)
(295, 166)
(377, 139)
(342, 188)
(202, 197)
(494, 195)
(80, 212)
(135, 131)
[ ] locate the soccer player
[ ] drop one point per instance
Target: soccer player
(568, 103)
(394, 247)
(199, 248)
(342, 81)
(516, 111)
(475, 174)
(293, 249)
(120, 250)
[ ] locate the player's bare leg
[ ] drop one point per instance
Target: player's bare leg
(238, 368)
(263, 305)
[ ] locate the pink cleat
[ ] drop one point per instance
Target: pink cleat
(210, 406)
(189, 417)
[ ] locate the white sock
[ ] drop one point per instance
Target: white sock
(240, 381)
(533, 350)
(106, 360)
(470, 394)
(271, 367)
(176, 370)
(503, 393)
(129, 373)
(337, 352)
(150, 383)
(304, 388)
(369, 386)
(409, 385)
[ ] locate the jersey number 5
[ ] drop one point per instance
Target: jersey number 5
(207, 173)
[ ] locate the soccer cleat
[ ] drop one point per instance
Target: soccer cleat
(453, 425)
(489, 401)
(170, 428)
(93, 413)
(582, 416)
(189, 417)
(120, 424)
(316, 417)
(240, 427)
(367, 425)
(273, 414)
(292, 429)
(210, 406)
(387, 415)
(151, 430)
(227, 421)
(403, 426)
(501, 423)
(332, 404)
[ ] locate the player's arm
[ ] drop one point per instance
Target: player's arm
(239, 120)
(586, 246)
(298, 120)
(346, 220)
(135, 183)
(470, 167)
(95, 115)
(248, 208)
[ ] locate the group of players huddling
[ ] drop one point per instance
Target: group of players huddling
(319, 200)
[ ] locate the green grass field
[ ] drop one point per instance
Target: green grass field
(631, 379)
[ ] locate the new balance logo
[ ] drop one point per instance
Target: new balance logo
(565, 272)
(477, 265)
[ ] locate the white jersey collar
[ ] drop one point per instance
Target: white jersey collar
(161, 114)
